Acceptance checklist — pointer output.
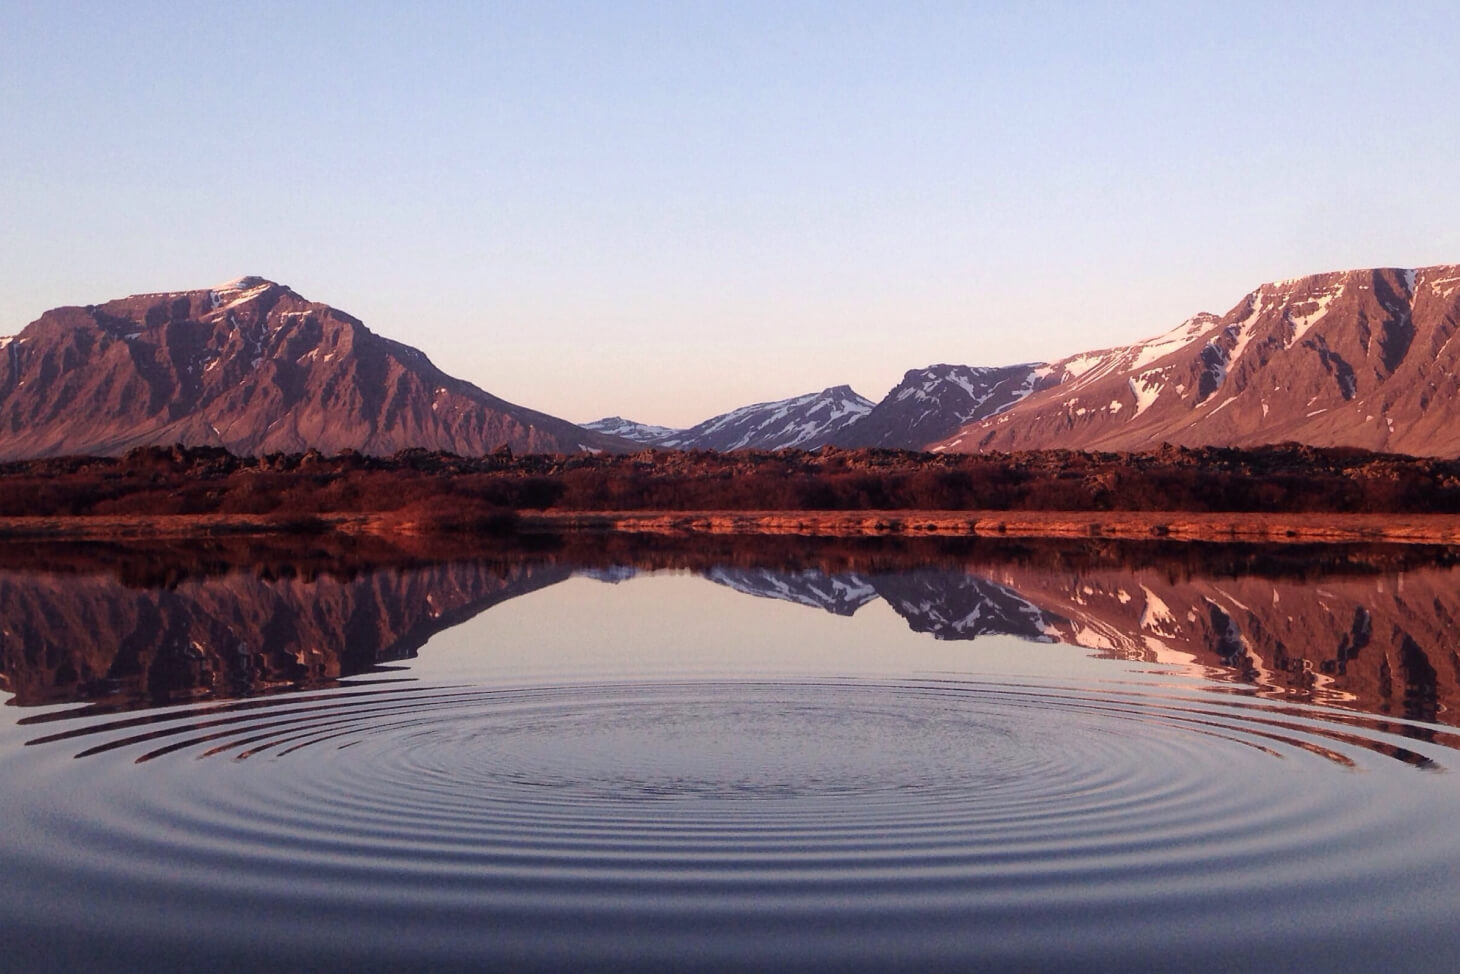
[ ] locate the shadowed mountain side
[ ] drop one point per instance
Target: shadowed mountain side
(932, 403)
(90, 637)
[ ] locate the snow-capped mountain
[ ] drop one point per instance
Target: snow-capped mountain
(932, 403)
(1354, 358)
(630, 430)
(251, 366)
(805, 422)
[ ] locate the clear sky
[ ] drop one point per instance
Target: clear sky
(666, 210)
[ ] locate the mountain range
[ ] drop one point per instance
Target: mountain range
(1356, 358)
(1353, 358)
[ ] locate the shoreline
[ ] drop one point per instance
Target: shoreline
(1115, 525)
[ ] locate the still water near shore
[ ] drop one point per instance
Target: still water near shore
(1048, 760)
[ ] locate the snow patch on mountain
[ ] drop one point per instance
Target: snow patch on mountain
(1302, 323)
(1146, 388)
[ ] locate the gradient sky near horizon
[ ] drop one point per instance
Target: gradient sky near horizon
(666, 210)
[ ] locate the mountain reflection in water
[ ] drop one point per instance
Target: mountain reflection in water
(1367, 628)
(728, 755)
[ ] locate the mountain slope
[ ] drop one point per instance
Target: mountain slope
(1354, 358)
(250, 366)
(804, 422)
(932, 403)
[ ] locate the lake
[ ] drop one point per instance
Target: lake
(729, 754)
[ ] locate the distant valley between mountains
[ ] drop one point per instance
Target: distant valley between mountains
(1357, 358)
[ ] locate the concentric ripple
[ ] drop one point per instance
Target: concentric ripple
(845, 822)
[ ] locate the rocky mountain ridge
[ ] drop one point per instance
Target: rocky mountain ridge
(1361, 358)
(801, 422)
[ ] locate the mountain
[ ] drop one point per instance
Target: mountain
(805, 422)
(1354, 358)
(932, 403)
(251, 366)
(630, 430)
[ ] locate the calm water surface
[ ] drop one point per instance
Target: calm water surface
(1058, 759)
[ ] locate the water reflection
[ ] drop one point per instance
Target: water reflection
(729, 756)
(1366, 628)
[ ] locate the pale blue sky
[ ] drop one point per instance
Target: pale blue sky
(667, 210)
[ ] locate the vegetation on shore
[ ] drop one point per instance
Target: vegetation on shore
(484, 493)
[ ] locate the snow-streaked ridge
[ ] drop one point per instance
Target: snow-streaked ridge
(801, 422)
(629, 429)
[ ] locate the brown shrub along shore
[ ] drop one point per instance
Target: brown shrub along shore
(1277, 492)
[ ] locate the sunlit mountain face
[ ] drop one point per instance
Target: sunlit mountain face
(1353, 358)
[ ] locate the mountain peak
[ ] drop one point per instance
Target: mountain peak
(245, 283)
